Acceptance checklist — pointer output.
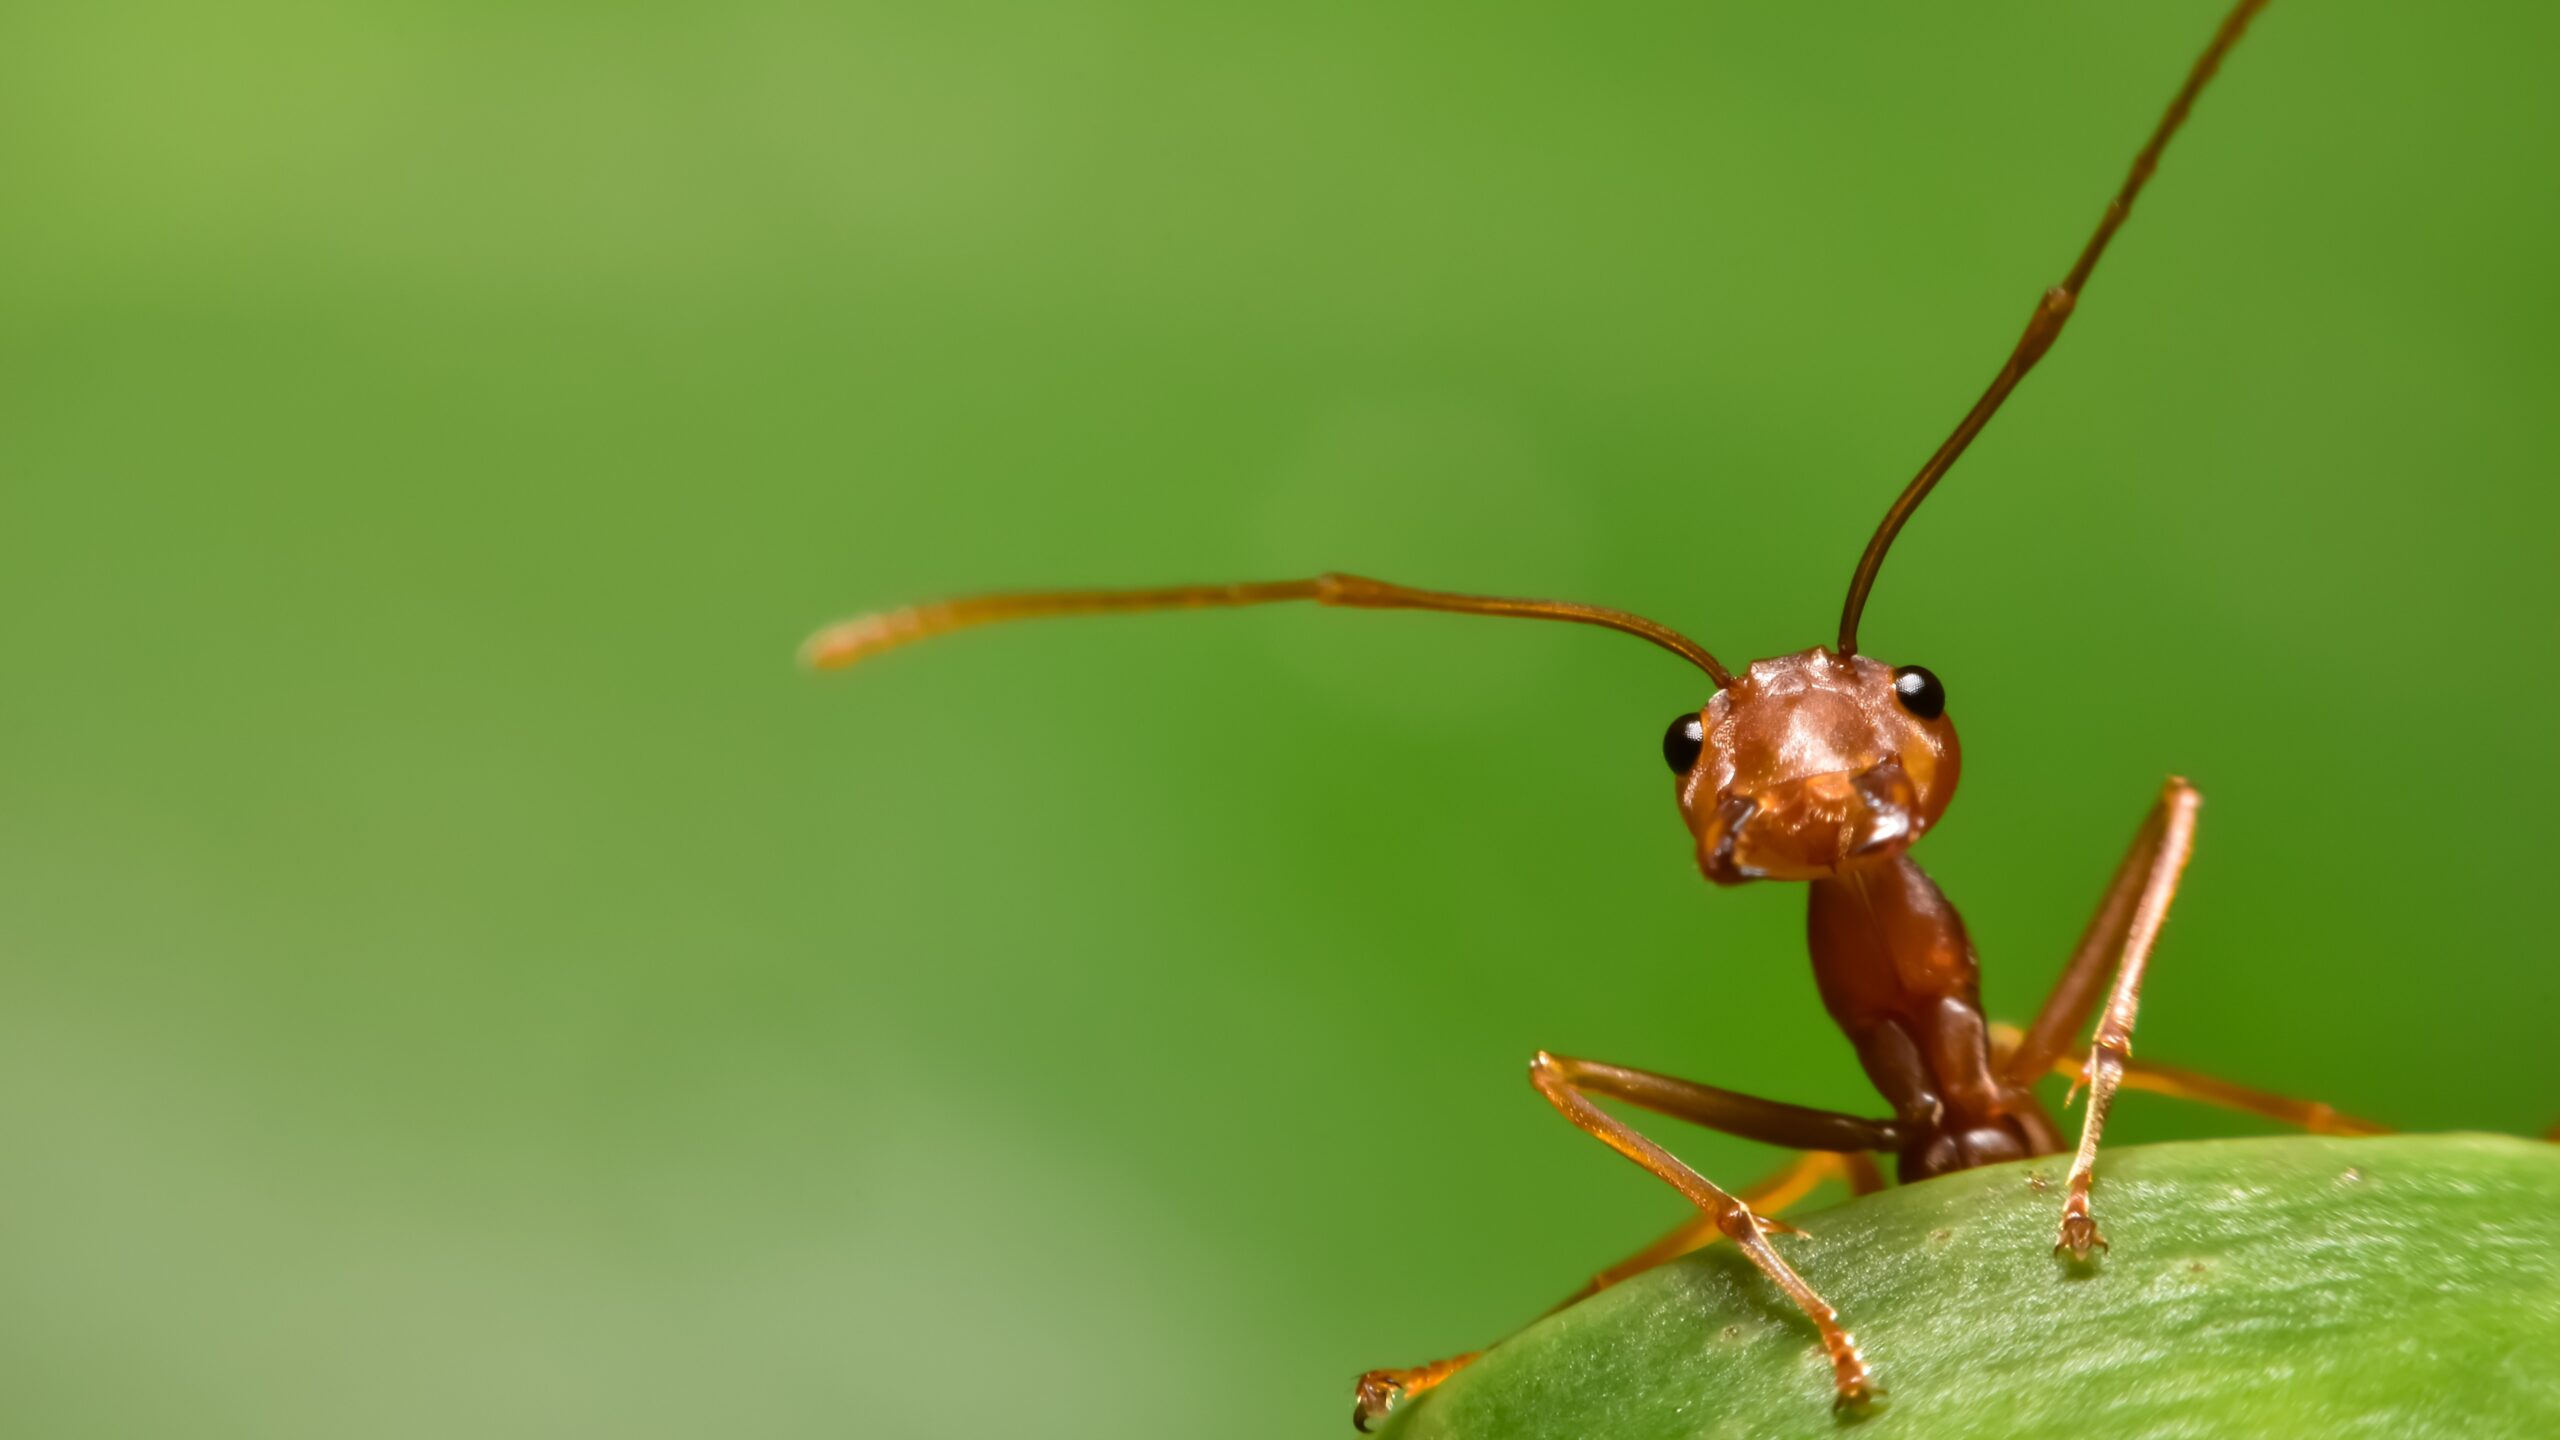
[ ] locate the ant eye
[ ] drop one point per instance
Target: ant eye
(1920, 692)
(1683, 743)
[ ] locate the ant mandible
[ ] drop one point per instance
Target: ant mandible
(1822, 767)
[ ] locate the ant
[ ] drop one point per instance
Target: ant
(1822, 767)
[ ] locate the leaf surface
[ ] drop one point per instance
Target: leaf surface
(2403, 1286)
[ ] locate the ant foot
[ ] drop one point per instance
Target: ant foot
(1853, 1384)
(1381, 1391)
(1376, 1394)
(2079, 1232)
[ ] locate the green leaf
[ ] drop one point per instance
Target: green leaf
(2405, 1286)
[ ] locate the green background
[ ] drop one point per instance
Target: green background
(457, 977)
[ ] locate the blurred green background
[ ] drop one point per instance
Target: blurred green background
(457, 977)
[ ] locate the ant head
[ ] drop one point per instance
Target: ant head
(1813, 762)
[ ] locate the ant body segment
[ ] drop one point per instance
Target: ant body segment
(1821, 767)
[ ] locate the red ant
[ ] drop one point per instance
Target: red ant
(1822, 767)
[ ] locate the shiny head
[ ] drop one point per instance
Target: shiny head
(1813, 762)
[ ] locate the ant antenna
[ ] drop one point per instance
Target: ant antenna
(2042, 327)
(864, 636)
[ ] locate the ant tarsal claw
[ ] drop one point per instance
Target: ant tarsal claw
(2079, 1235)
(1375, 1395)
(1381, 1391)
(1854, 1385)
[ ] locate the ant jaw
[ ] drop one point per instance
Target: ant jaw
(1718, 842)
(1811, 828)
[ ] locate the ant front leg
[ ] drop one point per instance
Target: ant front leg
(1564, 1081)
(1380, 1391)
(2123, 931)
(1771, 1196)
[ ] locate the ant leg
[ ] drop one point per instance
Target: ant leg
(2077, 989)
(1563, 1080)
(1838, 1144)
(2125, 928)
(2317, 1117)
(1769, 1197)
(1382, 1390)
